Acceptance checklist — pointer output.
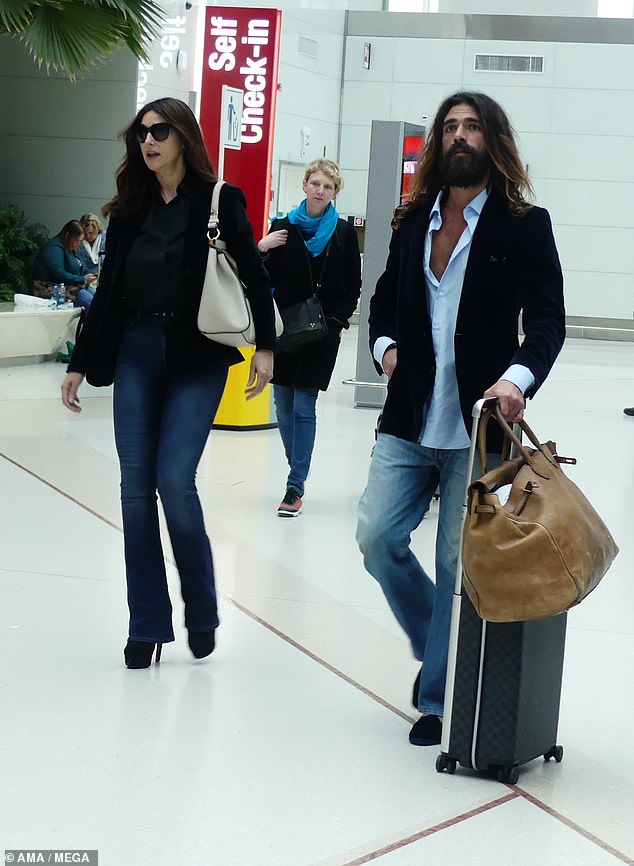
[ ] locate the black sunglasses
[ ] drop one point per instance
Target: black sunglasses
(158, 131)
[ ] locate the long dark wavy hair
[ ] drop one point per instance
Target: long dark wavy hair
(134, 179)
(508, 175)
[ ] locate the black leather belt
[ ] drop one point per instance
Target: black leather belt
(144, 316)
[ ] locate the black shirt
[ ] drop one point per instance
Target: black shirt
(153, 277)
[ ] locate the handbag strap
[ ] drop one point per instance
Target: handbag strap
(213, 231)
(335, 235)
(317, 285)
(509, 435)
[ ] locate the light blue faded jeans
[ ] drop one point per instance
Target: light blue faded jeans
(85, 296)
(297, 422)
(402, 480)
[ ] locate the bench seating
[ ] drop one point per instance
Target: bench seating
(32, 334)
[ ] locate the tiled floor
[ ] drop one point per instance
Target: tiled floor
(288, 747)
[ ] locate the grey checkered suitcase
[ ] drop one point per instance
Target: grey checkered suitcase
(503, 684)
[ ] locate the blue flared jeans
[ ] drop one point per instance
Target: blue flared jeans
(402, 480)
(297, 422)
(161, 422)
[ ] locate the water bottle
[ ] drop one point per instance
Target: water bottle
(61, 295)
(55, 295)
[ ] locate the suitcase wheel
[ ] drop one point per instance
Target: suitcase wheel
(557, 752)
(444, 762)
(508, 775)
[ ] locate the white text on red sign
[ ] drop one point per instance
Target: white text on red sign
(254, 70)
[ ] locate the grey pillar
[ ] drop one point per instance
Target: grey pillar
(384, 193)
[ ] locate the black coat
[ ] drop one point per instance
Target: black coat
(512, 267)
(187, 350)
(294, 272)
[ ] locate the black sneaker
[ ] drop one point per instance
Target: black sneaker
(291, 505)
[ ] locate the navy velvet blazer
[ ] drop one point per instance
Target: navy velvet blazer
(513, 269)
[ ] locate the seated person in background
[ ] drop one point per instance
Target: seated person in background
(59, 262)
(90, 249)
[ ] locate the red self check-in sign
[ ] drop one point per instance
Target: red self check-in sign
(241, 51)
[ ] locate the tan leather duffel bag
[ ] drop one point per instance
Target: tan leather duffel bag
(540, 551)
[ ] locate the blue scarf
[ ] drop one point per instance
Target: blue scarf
(320, 229)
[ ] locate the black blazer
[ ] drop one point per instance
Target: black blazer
(293, 279)
(513, 268)
(187, 350)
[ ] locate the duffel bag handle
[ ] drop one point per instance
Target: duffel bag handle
(510, 437)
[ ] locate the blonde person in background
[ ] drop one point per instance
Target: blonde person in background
(91, 253)
(92, 242)
(310, 245)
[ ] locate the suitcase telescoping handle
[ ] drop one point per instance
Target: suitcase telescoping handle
(478, 408)
(480, 405)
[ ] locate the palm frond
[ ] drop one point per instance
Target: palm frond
(146, 15)
(133, 9)
(143, 21)
(138, 37)
(74, 35)
(16, 14)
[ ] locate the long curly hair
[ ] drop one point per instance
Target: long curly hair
(134, 179)
(508, 175)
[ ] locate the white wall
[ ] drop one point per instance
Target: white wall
(58, 147)
(575, 128)
(309, 88)
(310, 85)
(526, 7)
(58, 139)
(170, 69)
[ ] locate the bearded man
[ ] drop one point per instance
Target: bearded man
(468, 255)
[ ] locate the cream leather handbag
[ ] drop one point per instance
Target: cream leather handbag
(224, 314)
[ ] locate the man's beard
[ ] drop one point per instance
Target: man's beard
(464, 171)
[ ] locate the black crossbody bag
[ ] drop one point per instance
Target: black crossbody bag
(304, 323)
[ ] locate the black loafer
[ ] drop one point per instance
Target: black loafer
(427, 731)
(629, 410)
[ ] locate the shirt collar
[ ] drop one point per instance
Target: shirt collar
(474, 208)
(183, 190)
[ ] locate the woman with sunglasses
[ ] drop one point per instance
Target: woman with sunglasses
(141, 334)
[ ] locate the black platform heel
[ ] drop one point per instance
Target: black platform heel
(201, 643)
(138, 654)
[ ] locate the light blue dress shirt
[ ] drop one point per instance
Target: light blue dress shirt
(443, 424)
